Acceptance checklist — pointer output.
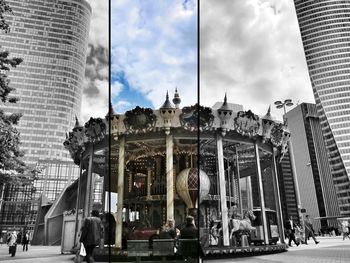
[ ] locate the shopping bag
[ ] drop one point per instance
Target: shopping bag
(81, 253)
(82, 250)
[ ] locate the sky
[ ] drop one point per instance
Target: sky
(154, 49)
(252, 50)
(96, 83)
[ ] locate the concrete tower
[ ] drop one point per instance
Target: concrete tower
(325, 32)
(51, 36)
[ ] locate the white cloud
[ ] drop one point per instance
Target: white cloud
(96, 106)
(252, 50)
(99, 26)
(154, 44)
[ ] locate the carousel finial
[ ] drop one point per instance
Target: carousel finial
(176, 99)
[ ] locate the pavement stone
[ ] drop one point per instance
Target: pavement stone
(329, 250)
(37, 254)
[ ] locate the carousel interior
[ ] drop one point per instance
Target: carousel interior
(242, 187)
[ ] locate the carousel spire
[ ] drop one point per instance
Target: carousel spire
(167, 104)
(111, 111)
(225, 106)
(268, 114)
(167, 112)
(176, 99)
(77, 124)
(225, 114)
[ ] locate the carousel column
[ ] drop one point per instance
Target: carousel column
(149, 181)
(277, 197)
(222, 186)
(239, 185)
(120, 191)
(88, 194)
(169, 177)
(261, 192)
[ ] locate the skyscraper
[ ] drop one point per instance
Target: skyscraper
(325, 31)
(316, 188)
(51, 36)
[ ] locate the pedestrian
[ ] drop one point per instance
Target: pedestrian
(91, 232)
(298, 234)
(25, 241)
(291, 226)
(12, 243)
(168, 231)
(345, 229)
(309, 230)
(1, 240)
(189, 248)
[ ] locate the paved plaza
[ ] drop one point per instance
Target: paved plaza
(37, 254)
(329, 250)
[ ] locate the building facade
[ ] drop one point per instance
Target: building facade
(317, 191)
(324, 27)
(51, 36)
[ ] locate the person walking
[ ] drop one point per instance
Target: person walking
(12, 243)
(309, 230)
(345, 229)
(291, 226)
(25, 241)
(189, 248)
(91, 234)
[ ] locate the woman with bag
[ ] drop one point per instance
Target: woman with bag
(91, 234)
(12, 243)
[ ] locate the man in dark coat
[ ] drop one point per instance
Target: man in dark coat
(91, 232)
(309, 230)
(291, 226)
(190, 231)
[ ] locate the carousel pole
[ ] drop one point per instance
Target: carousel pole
(149, 181)
(88, 193)
(261, 192)
(169, 177)
(78, 201)
(239, 185)
(120, 191)
(277, 197)
(222, 184)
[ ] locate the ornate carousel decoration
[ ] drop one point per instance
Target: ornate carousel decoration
(154, 156)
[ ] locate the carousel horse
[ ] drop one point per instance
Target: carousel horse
(243, 225)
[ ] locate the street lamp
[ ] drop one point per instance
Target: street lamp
(279, 104)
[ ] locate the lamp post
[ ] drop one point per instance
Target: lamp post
(279, 105)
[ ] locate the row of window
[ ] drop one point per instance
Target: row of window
(326, 24)
(328, 59)
(339, 101)
(341, 125)
(331, 40)
(317, 17)
(330, 72)
(316, 33)
(333, 80)
(321, 6)
(336, 47)
(323, 92)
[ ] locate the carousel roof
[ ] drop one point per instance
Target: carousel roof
(139, 121)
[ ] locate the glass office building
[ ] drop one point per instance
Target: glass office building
(325, 33)
(51, 36)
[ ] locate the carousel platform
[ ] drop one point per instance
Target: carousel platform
(211, 252)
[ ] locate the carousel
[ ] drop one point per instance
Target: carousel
(149, 160)
(153, 160)
(240, 208)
